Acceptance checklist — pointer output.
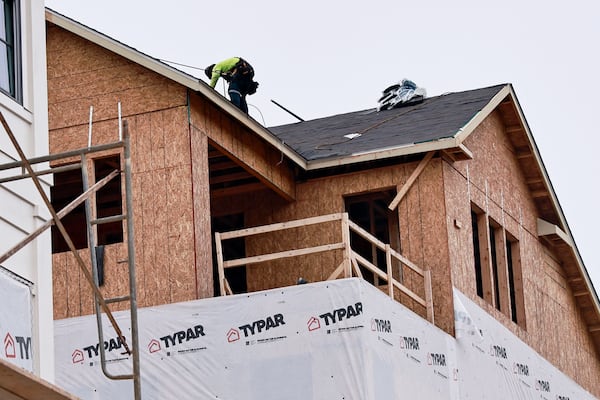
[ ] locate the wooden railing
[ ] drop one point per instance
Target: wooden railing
(351, 261)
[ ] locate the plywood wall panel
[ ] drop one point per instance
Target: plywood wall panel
(497, 184)
(59, 286)
(180, 231)
(201, 215)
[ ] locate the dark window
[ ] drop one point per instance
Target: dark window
(477, 254)
(370, 211)
(511, 281)
(67, 187)
(10, 68)
(232, 249)
(497, 264)
(109, 200)
(495, 274)
(515, 281)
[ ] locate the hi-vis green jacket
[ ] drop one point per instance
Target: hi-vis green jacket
(223, 67)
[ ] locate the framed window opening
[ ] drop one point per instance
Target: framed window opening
(109, 200)
(371, 213)
(497, 266)
(235, 248)
(68, 185)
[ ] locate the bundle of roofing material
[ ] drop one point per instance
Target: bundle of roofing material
(405, 92)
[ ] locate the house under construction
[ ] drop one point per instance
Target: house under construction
(441, 202)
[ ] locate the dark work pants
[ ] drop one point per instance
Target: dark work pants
(238, 96)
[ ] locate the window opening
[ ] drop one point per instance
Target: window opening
(497, 266)
(232, 249)
(477, 254)
(109, 200)
(371, 213)
(495, 274)
(68, 185)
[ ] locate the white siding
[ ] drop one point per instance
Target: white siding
(20, 202)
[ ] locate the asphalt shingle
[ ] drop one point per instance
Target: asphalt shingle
(432, 119)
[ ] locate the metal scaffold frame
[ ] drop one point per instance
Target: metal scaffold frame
(101, 304)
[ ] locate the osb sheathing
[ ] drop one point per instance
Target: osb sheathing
(495, 183)
(422, 218)
(81, 75)
(245, 147)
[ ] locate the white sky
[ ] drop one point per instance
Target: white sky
(321, 58)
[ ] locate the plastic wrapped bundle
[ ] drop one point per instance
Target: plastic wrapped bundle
(400, 94)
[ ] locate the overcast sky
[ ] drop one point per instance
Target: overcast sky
(321, 58)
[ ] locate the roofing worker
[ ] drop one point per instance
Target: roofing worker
(239, 73)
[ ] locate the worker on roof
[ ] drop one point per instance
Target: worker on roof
(240, 74)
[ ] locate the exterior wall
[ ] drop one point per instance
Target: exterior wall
(422, 230)
(22, 207)
(494, 182)
(81, 75)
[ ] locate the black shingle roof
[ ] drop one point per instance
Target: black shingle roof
(433, 119)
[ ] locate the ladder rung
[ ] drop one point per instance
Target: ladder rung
(117, 299)
(106, 220)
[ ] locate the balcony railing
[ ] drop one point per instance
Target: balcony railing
(351, 262)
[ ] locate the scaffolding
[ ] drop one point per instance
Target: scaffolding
(87, 197)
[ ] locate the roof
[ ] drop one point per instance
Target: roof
(432, 120)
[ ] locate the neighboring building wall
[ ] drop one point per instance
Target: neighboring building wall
(23, 208)
(494, 182)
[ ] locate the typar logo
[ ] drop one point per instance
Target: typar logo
(154, 346)
(183, 336)
(409, 343)
(233, 335)
(10, 348)
(521, 369)
(542, 385)
(498, 351)
(437, 359)
(313, 324)
(381, 325)
(262, 324)
(110, 345)
(340, 314)
(77, 356)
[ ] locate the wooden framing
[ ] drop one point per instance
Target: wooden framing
(351, 260)
(411, 180)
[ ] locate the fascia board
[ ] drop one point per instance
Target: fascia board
(380, 154)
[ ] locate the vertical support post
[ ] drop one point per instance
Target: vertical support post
(388, 268)
(428, 295)
(221, 270)
(137, 387)
(347, 249)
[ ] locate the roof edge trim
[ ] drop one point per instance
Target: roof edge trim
(482, 114)
(417, 148)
